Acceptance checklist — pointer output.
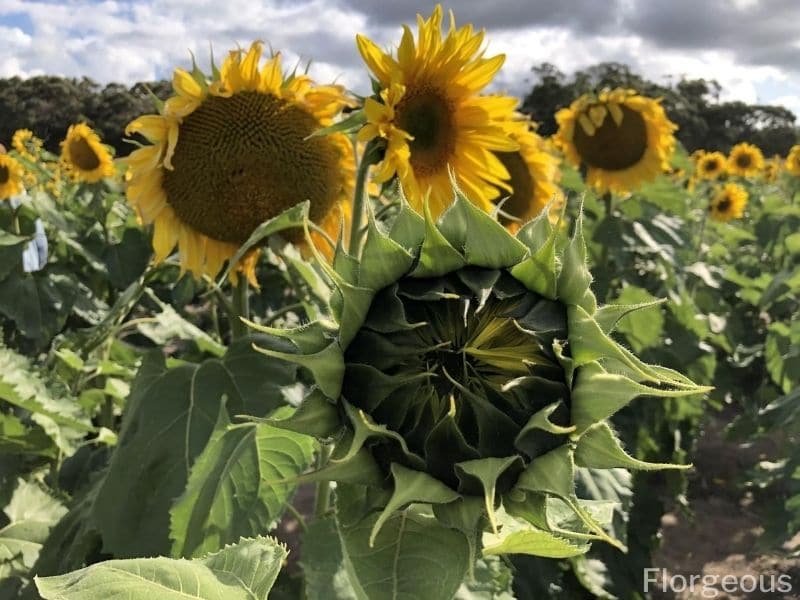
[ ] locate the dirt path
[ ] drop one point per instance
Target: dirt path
(720, 538)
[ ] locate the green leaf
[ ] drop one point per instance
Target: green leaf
(436, 255)
(53, 409)
(599, 448)
(245, 571)
(411, 487)
(575, 278)
(127, 260)
(169, 325)
(38, 303)
(238, 486)
(32, 512)
(324, 571)
(412, 557)
(517, 536)
(18, 438)
(11, 247)
(642, 328)
(487, 471)
(491, 579)
(782, 354)
(291, 218)
(352, 122)
(383, 261)
(169, 419)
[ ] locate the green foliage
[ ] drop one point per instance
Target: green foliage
(246, 570)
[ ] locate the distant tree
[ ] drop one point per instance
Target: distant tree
(49, 105)
(693, 104)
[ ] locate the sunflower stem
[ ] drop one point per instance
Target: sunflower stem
(369, 158)
(322, 497)
(241, 308)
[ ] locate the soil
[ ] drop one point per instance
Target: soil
(719, 535)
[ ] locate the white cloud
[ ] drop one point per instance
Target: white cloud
(128, 41)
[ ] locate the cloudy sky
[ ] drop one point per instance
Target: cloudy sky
(752, 47)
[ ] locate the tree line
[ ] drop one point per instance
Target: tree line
(48, 105)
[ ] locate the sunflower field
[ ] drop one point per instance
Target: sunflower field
(303, 342)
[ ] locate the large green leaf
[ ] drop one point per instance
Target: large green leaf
(238, 486)
(324, 571)
(11, 247)
(412, 557)
(245, 571)
(169, 419)
(38, 303)
(127, 260)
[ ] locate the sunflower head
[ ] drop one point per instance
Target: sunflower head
(83, 155)
(772, 168)
(622, 138)
(728, 202)
(429, 117)
(745, 160)
(232, 151)
(466, 367)
(792, 163)
(26, 144)
(709, 165)
(11, 177)
(533, 177)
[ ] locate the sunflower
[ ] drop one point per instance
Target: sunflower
(728, 202)
(534, 176)
(84, 156)
(26, 144)
(745, 160)
(430, 115)
(709, 165)
(230, 153)
(793, 161)
(772, 168)
(622, 138)
(11, 177)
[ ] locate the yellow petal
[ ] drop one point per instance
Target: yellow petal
(380, 63)
(586, 125)
(616, 113)
(153, 127)
(598, 114)
(186, 86)
(165, 234)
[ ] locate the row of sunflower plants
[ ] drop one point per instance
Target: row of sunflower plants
(306, 344)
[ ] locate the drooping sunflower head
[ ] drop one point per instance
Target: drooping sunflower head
(466, 366)
(84, 156)
(430, 117)
(232, 151)
(728, 202)
(622, 138)
(709, 165)
(745, 160)
(533, 177)
(11, 177)
(772, 168)
(793, 161)
(26, 144)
